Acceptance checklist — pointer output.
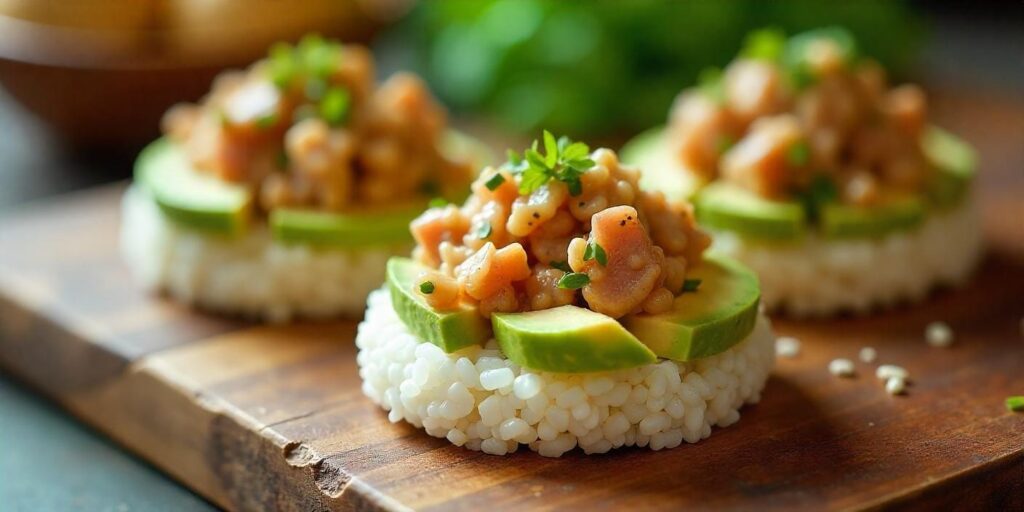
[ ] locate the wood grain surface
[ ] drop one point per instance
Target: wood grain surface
(272, 418)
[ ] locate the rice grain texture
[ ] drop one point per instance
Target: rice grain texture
(251, 276)
(819, 277)
(478, 399)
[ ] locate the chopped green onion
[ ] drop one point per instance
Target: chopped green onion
(798, 154)
(494, 182)
(438, 202)
(573, 281)
(690, 285)
(483, 231)
(561, 265)
(594, 251)
(427, 287)
(334, 106)
(1015, 403)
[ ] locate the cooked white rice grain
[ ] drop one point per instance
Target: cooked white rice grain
(478, 399)
(251, 276)
(817, 277)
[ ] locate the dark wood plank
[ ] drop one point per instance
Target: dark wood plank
(259, 417)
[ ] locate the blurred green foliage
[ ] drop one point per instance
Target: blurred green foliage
(612, 67)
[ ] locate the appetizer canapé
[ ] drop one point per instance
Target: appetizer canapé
(818, 174)
(287, 188)
(563, 306)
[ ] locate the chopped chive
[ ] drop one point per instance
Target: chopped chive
(334, 106)
(494, 182)
(438, 202)
(594, 251)
(483, 231)
(798, 154)
(1015, 403)
(427, 287)
(690, 285)
(573, 281)
(561, 265)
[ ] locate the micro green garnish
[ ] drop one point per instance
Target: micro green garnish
(1015, 403)
(594, 251)
(427, 287)
(573, 281)
(494, 182)
(334, 106)
(561, 265)
(690, 285)
(563, 160)
(484, 230)
(798, 154)
(710, 84)
(764, 44)
(438, 202)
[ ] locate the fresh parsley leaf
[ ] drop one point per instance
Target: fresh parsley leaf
(438, 202)
(563, 160)
(690, 285)
(334, 106)
(561, 265)
(573, 281)
(550, 150)
(1015, 403)
(494, 182)
(427, 287)
(798, 154)
(483, 230)
(594, 251)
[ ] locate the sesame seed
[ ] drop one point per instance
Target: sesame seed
(938, 334)
(841, 367)
(868, 354)
(888, 371)
(787, 346)
(895, 385)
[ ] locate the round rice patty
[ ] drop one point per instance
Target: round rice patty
(478, 399)
(252, 275)
(817, 277)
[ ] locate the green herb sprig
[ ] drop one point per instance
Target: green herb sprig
(563, 160)
(573, 281)
(561, 265)
(594, 251)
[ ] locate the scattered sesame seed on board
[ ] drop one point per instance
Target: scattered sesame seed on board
(787, 346)
(888, 371)
(895, 385)
(841, 367)
(938, 334)
(868, 354)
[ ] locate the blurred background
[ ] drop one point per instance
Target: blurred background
(83, 84)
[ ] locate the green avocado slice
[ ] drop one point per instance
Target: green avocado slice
(189, 197)
(362, 229)
(897, 214)
(719, 314)
(728, 207)
(954, 161)
(450, 330)
(568, 339)
(660, 169)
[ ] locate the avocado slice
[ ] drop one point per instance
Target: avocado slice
(719, 314)
(661, 170)
(450, 330)
(296, 226)
(568, 339)
(728, 207)
(954, 161)
(363, 229)
(896, 214)
(189, 197)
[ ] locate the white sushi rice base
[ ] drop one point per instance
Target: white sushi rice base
(817, 277)
(478, 399)
(252, 275)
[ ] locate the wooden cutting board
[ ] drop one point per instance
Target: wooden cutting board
(257, 417)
